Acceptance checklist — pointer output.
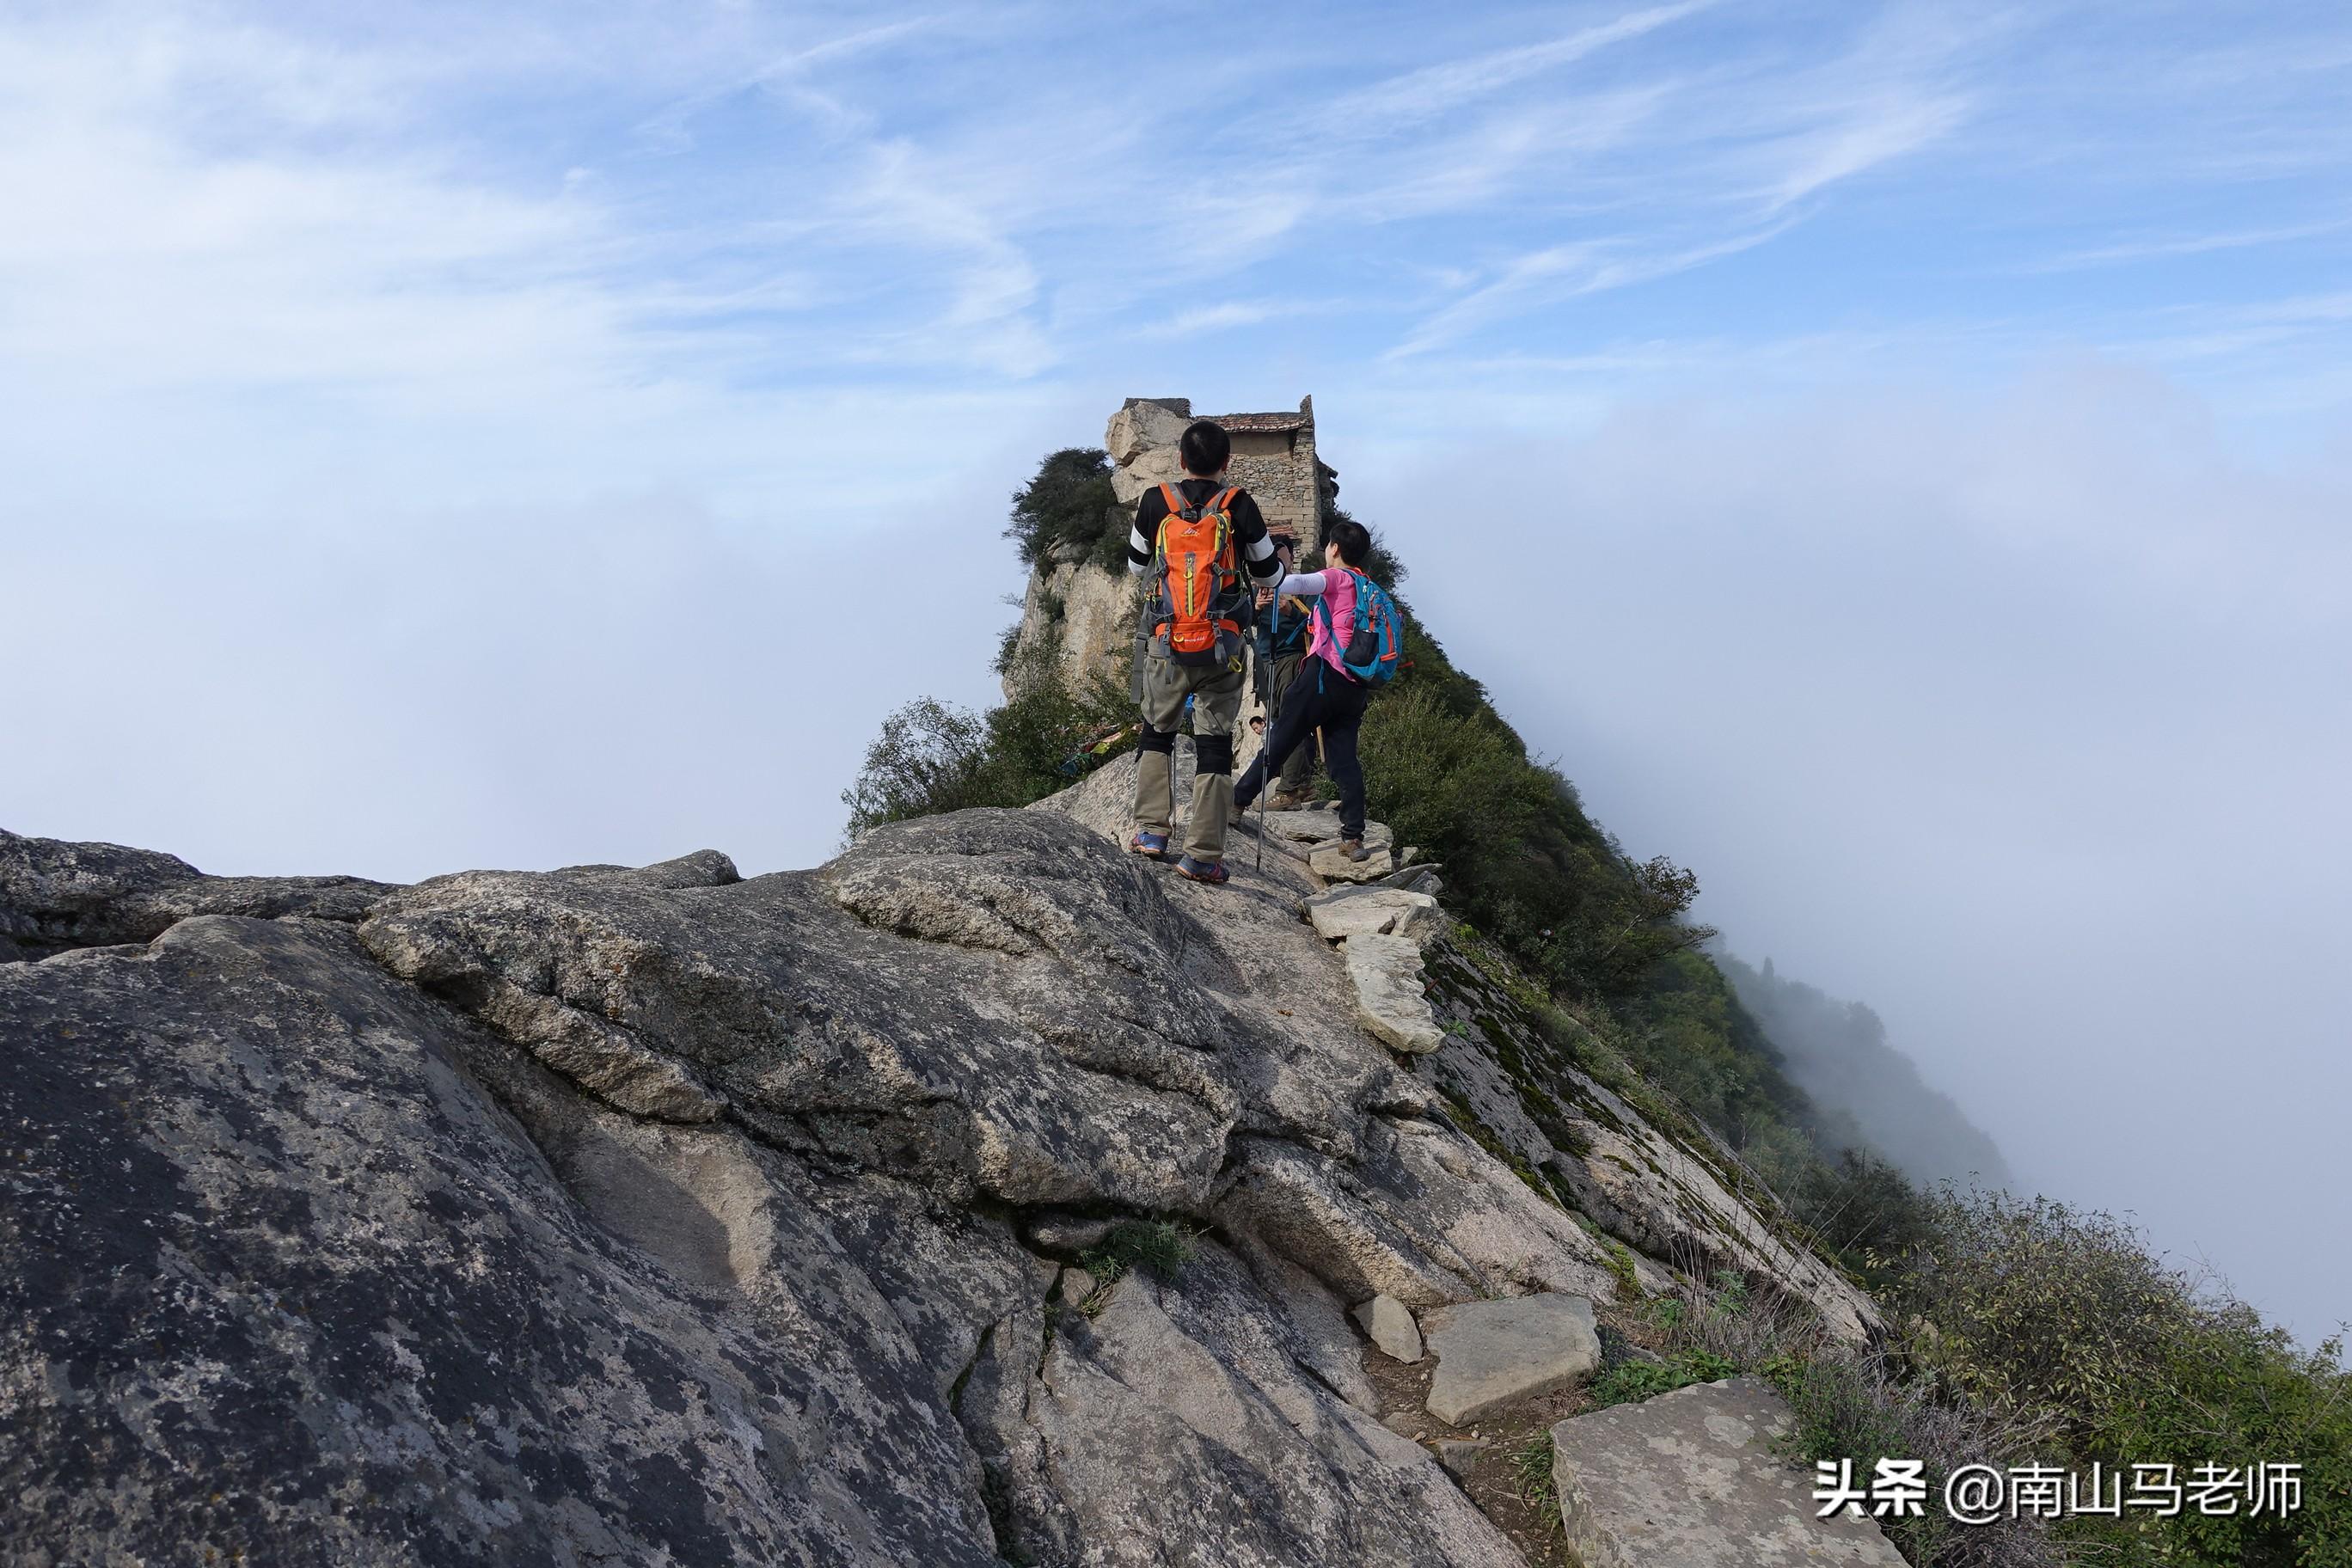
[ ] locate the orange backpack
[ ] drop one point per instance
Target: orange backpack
(1197, 598)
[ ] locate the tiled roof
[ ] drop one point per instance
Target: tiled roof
(1293, 421)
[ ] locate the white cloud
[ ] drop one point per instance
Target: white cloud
(2018, 715)
(1881, 133)
(1435, 90)
(1567, 272)
(1210, 318)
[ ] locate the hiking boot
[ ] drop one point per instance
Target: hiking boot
(1152, 843)
(1287, 800)
(1354, 850)
(1209, 871)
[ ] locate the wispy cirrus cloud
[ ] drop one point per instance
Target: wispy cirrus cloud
(2163, 247)
(1568, 272)
(1429, 92)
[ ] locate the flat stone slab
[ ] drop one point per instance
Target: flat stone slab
(1391, 997)
(1390, 1324)
(1689, 1478)
(1331, 863)
(1346, 911)
(1491, 1352)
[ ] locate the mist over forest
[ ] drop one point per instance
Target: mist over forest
(1838, 1053)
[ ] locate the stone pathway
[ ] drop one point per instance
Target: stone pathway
(1689, 1478)
(1491, 1352)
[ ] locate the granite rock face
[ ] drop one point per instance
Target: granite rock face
(1079, 616)
(611, 1215)
(1690, 1479)
(284, 1282)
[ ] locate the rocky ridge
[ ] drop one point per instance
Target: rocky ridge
(666, 1214)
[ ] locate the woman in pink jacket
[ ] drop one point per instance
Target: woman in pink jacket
(1324, 696)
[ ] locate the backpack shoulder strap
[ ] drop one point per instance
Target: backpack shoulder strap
(1174, 498)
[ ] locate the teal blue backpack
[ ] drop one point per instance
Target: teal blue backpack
(1375, 649)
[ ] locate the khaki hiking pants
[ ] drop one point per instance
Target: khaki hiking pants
(1216, 691)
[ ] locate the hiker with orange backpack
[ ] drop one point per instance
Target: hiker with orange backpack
(1356, 645)
(1192, 538)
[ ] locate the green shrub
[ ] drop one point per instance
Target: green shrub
(1860, 1406)
(930, 756)
(933, 757)
(1160, 1247)
(2067, 1316)
(1069, 501)
(2042, 1306)
(1631, 1381)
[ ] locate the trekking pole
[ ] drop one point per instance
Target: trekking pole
(1264, 788)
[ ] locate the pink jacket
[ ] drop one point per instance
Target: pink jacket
(1338, 589)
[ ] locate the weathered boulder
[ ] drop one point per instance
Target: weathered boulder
(1141, 440)
(1304, 825)
(1319, 824)
(56, 895)
(1390, 998)
(1388, 1323)
(1689, 1477)
(1491, 1352)
(1420, 877)
(1348, 911)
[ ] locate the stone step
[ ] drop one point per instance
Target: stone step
(1689, 1478)
(1492, 1353)
(1331, 863)
(1349, 911)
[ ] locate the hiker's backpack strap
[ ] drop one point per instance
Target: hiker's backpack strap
(1177, 505)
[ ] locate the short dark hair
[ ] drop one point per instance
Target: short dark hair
(1354, 540)
(1205, 448)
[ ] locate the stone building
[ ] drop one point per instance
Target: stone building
(1086, 615)
(1274, 458)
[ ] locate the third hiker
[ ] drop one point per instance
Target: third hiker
(1281, 633)
(1194, 537)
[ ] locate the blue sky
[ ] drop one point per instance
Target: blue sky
(1895, 456)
